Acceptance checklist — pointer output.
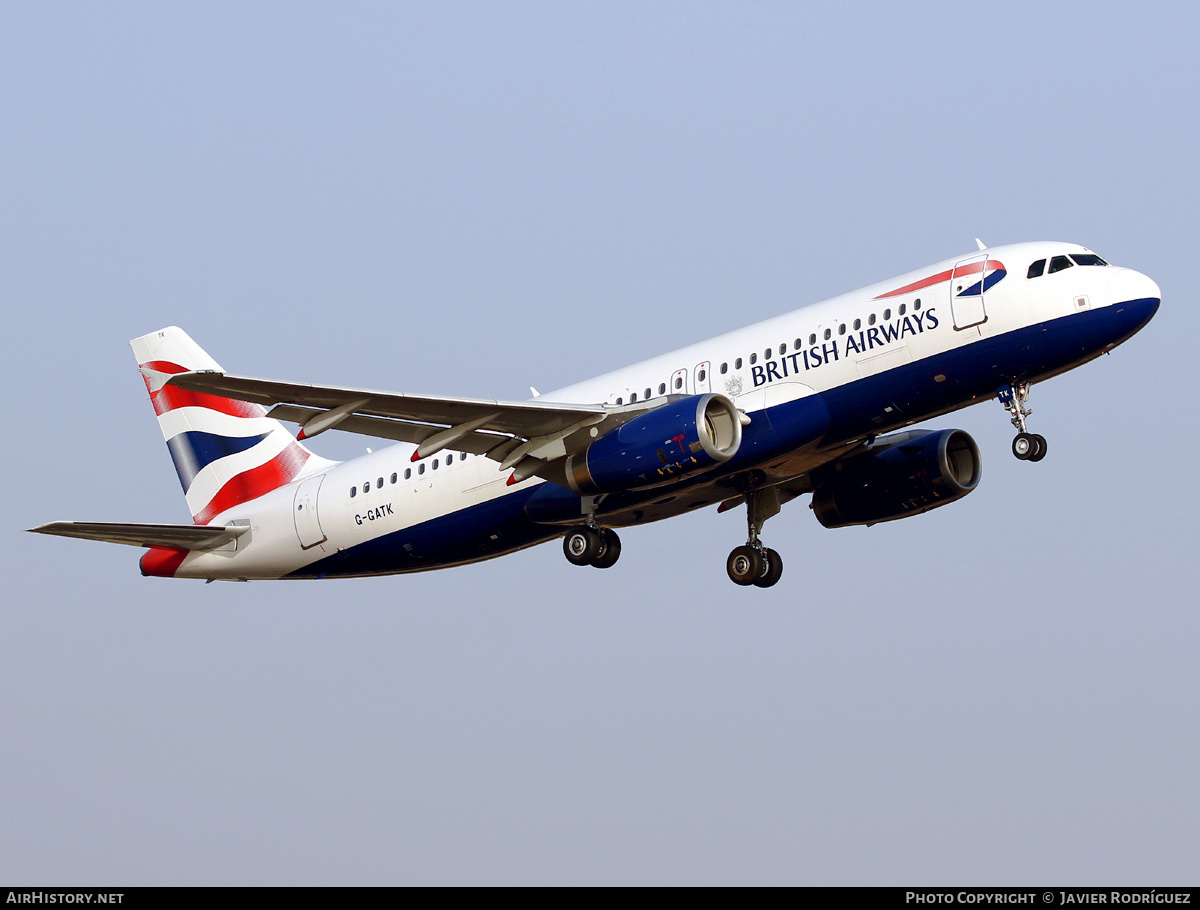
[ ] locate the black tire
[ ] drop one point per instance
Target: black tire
(1041, 448)
(743, 565)
(611, 552)
(1024, 446)
(582, 545)
(772, 569)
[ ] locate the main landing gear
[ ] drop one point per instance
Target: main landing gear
(592, 546)
(753, 563)
(1026, 446)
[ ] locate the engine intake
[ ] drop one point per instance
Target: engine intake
(659, 446)
(898, 476)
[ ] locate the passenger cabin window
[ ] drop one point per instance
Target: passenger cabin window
(700, 377)
(753, 359)
(394, 478)
(1035, 270)
(633, 398)
(421, 468)
(737, 364)
(647, 395)
(1058, 263)
(842, 329)
(812, 339)
(724, 368)
(353, 492)
(917, 304)
(379, 483)
(1087, 259)
(871, 319)
(887, 315)
(679, 382)
(450, 459)
(783, 349)
(903, 307)
(407, 473)
(797, 344)
(828, 334)
(857, 324)
(662, 388)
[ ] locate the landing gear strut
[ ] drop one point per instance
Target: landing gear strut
(1026, 446)
(753, 563)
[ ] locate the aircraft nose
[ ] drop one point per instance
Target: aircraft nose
(1147, 287)
(1147, 291)
(1134, 287)
(1135, 300)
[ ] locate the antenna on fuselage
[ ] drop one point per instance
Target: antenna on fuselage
(979, 243)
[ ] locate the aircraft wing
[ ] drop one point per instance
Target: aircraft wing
(530, 436)
(181, 537)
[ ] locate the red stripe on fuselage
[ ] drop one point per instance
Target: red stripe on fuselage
(918, 285)
(255, 482)
(969, 269)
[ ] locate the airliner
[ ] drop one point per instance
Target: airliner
(820, 401)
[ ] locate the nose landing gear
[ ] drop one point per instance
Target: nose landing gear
(1026, 446)
(753, 563)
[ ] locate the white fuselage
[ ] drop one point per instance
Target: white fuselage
(884, 357)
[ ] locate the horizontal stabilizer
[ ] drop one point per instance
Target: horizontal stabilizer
(179, 537)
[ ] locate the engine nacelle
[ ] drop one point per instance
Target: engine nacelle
(659, 446)
(899, 475)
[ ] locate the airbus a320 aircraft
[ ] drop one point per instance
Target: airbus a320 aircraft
(794, 405)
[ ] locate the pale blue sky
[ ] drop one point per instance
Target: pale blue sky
(472, 198)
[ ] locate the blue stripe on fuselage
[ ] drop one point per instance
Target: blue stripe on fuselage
(468, 535)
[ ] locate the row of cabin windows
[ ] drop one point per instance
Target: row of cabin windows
(662, 390)
(796, 345)
(812, 339)
(1058, 263)
(408, 472)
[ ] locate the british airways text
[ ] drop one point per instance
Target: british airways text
(854, 343)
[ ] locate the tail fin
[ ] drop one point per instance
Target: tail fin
(225, 451)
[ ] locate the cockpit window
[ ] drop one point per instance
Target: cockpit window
(1087, 259)
(1058, 263)
(1035, 270)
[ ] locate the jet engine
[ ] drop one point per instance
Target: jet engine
(659, 446)
(897, 476)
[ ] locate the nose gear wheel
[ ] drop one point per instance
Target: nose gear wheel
(1026, 446)
(1029, 446)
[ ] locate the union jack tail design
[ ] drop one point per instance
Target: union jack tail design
(225, 451)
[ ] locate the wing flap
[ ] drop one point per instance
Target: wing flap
(180, 537)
